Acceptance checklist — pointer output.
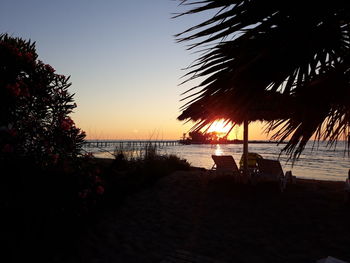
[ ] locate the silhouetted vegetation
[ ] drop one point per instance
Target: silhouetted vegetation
(35, 107)
(46, 183)
(285, 63)
(136, 168)
(198, 137)
(50, 191)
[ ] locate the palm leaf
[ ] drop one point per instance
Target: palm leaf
(297, 49)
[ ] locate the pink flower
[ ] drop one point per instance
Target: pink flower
(62, 92)
(16, 51)
(100, 190)
(12, 132)
(8, 148)
(14, 89)
(19, 89)
(48, 150)
(67, 123)
(55, 158)
(29, 56)
(49, 68)
(25, 92)
(82, 194)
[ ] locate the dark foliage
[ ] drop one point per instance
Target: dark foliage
(47, 187)
(35, 107)
(294, 54)
(128, 174)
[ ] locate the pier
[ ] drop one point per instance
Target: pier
(122, 144)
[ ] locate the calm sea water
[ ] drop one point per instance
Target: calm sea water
(322, 163)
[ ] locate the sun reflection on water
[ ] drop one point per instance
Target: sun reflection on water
(334, 166)
(218, 150)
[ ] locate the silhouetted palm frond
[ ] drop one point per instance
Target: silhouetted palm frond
(299, 49)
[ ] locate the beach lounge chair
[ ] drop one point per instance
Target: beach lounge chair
(225, 164)
(252, 161)
(184, 256)
(347, 188)
(330, 260)
(271, 170)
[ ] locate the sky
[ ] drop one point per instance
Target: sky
(124, 62)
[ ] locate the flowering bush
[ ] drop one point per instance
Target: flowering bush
(90, 184)
(35, 107)
(44, 177)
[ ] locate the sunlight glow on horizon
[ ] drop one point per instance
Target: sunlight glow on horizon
(124, 63)
(170, 131)
(220, 127)
(218, 150)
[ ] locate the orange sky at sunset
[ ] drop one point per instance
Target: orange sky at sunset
(124, 62)
(171, 130)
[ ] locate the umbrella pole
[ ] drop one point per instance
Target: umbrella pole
(245, 147)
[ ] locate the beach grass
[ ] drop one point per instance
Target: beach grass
(45, 210)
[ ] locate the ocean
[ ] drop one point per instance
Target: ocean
(321, 163)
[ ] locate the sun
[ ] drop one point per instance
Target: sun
(220, 127)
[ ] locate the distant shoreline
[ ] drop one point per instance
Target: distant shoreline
(188, 142)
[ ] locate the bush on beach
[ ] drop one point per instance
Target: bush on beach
(133, 157)
(46, 182)
(50, 190)
(35, 107)
(136, 168)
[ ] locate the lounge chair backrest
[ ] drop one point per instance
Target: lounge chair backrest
(252, 160)
(225, 162)
(272, 167)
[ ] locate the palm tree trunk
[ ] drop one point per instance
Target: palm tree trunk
(245, 147)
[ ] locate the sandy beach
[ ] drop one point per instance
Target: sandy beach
(218, 220)
(118, 116)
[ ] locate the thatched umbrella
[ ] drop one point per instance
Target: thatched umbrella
(268, 106)
(293, 48)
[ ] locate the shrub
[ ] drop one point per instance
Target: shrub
(44, 182)
(144, 165)
(35, 107)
